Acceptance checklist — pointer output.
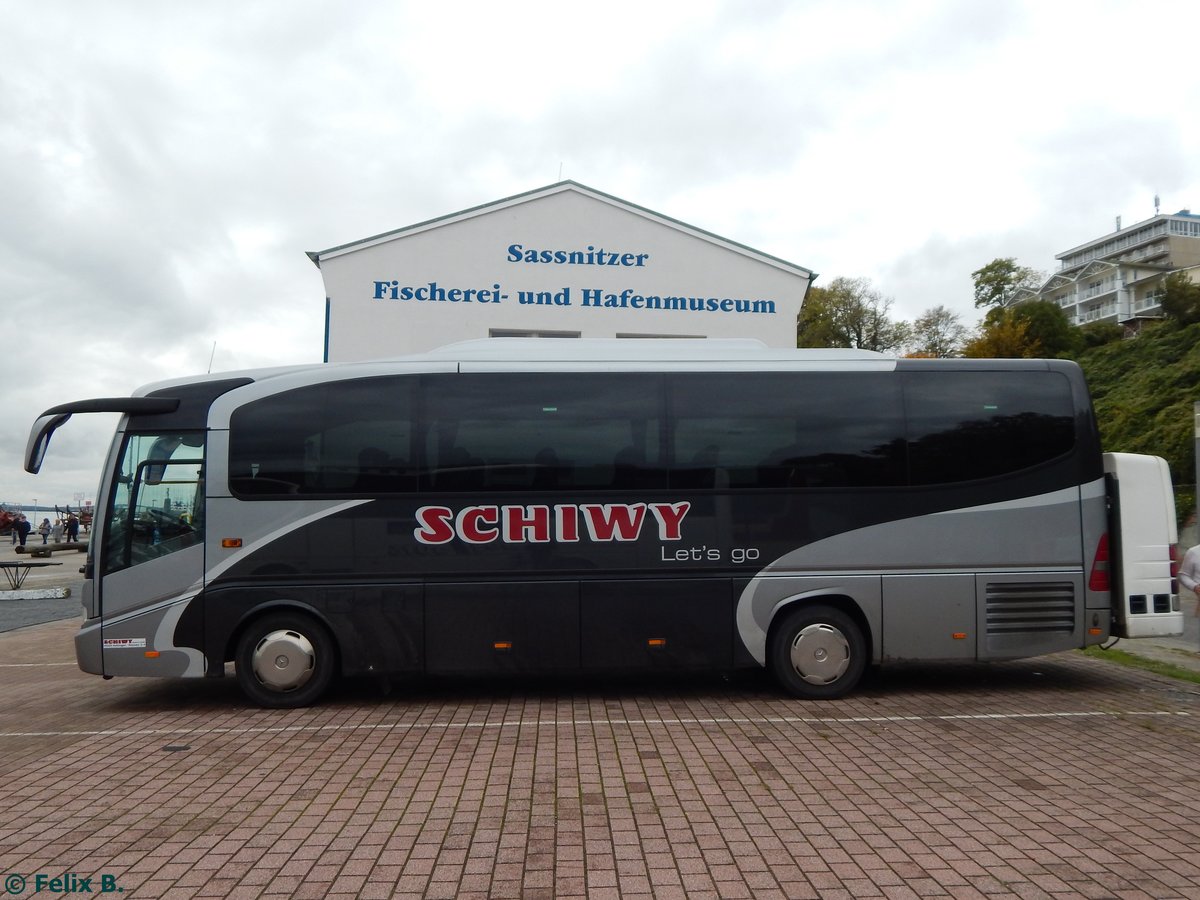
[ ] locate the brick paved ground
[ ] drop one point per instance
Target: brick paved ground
(1059, 777)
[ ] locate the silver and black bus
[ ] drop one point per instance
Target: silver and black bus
(568, 506)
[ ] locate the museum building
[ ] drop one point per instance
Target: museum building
(561, 261)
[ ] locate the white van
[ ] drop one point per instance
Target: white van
(1143, 536)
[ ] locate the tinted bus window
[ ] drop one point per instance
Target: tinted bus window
(969, 425)
(541, 431)
(340, 438)
(786, 429)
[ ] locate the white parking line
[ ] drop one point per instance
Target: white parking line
(32, 665)
(588, 722)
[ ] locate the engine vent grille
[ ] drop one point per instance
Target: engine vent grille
(1046, 607)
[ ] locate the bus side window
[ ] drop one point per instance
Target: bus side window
(702, 472)
(535, 432)
(546, 470)
(628, 466)
(461, 472)
(373, 470)
(781, 430)
(343, 437)
(985, 424)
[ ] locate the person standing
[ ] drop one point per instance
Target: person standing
(23, 529)
(72, 527)
(1189, 570)
(44, 531)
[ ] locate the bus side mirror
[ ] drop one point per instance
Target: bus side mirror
(39, 440)
(160, 458)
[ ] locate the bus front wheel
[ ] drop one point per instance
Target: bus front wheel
(285, 660)
(818, 653)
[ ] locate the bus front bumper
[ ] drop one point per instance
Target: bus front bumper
(88, 652)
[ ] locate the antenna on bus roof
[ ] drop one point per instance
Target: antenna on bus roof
(210, 357)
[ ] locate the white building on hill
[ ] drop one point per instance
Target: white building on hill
(1118, 278)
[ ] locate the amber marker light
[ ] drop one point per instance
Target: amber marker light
(657, 642)
(231, 543)
(151, 654)
(502, 645)
(959, 635)
(1095, 631)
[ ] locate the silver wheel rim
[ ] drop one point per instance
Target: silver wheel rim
(284, 660)
(820, 653)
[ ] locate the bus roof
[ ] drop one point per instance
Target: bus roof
(639, 349)
(617, 354)
(585, 352)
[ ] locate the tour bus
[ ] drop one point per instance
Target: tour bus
(575, 506)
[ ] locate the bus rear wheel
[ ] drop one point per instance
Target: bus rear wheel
(818, 653)
(285, 660)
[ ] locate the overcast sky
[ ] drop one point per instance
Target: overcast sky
(164, 167)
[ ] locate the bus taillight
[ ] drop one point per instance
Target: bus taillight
(1099, 579)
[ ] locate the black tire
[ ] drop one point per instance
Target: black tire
(285, 660)
(817, 653)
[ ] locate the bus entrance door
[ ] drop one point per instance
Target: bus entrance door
(152, 561)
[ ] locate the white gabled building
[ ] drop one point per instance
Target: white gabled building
(1118, 278)
(561, 261)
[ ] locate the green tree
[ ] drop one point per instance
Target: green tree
(997, 283)
(1180, 298)
(849, 313)
(819, 323)
(1025, 331)
(1097, 334)
(1002, 336)
(937, 332)
(1048, 325)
